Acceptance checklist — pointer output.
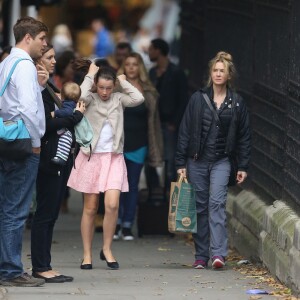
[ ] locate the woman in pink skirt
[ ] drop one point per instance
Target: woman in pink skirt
(105, 170)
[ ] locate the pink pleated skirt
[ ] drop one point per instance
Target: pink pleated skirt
(104, 171)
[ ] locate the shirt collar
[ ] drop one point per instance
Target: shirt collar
(20, 52)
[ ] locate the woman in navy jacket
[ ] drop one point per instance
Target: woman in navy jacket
(204, 147)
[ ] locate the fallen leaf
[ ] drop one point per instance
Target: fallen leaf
(206, 282)
(163, 249)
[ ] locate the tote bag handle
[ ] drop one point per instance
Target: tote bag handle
(9, 75)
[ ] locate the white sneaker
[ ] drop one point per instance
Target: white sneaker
(127, 234)
(118, 233)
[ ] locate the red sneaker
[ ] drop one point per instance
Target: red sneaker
(199, 264)
(218, 262)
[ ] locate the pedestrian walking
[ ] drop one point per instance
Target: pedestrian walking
(104, 169)
(116, 59)
(61, 39)
(51, 179)
(103, 43)
(22, 100)
(171, 84)
(140, 145)
(204, 147)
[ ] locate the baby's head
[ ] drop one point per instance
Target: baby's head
(71, 91)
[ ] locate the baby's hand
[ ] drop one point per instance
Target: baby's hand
(122, 77)
(80, 106)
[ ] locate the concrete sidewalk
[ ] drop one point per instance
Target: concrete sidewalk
(152, 267)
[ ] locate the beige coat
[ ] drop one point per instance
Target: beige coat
(97, 111)
(155, 139)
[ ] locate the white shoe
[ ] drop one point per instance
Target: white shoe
(127, 234)
(118, 233)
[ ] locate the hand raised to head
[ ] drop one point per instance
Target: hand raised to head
(122, 77)
(42, 74)
(93, 69)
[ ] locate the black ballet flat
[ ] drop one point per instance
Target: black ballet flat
(55, 279)
(67, 278)
(112, 265)
(86, 266)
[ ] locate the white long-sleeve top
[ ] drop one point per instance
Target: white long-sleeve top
(22, 98)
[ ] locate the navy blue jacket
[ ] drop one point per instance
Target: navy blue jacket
(49, 141)
(66, 110)
(196, 124)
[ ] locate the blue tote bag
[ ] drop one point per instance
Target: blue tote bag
(15, 141)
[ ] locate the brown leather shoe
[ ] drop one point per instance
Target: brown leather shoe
(24, 280)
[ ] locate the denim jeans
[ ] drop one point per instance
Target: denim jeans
(17, 180)
(210, 183)
(128, 201)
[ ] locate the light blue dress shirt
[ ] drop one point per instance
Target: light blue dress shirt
(22, 98)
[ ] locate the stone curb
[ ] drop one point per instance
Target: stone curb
(268, 233)
(3, 292)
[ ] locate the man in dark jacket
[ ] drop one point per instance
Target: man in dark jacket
(171, 83)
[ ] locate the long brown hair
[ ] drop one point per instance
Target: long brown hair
(47, 48)
(81, 66)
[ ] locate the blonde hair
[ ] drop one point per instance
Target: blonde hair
(143, 75)
(227, 60)
(62, 29)
(71, 91)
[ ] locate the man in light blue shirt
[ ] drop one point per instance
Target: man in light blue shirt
(22, 99)
(103, 43)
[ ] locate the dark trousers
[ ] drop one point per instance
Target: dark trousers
(128, 201)
(49, 193)
(170, 140)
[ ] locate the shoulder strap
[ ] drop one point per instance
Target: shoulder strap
(54, 96)
(9, 75)
(216, 117)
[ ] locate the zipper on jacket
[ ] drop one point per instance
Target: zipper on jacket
(195, 156)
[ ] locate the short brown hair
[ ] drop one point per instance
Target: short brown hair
(71, 91)
(28, 25)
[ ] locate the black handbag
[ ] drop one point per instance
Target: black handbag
(232, 158)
